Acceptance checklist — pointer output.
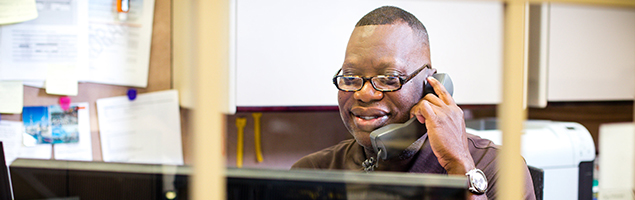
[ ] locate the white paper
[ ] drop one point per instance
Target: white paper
(120, 50)
(40, 151)
(83, 149)
(62, 80)
(145, 130)
(11, 137)
(35, 84)
(58, 36)
(11, 96)
(13, 11)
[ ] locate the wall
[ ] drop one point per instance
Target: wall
(287, 136)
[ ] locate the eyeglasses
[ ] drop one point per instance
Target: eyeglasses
(383, 83)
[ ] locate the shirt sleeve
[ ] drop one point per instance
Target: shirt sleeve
(492, 179)
(303, 163)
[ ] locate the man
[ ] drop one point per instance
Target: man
(386, 45)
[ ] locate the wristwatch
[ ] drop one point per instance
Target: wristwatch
(477, 181)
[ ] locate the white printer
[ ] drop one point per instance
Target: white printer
(564, 150)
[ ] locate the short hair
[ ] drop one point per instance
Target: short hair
(390, 15)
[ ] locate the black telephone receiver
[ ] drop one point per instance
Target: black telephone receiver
(392, 139)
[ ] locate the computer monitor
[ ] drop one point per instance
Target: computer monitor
(39, 179)
(330, 184)
(5, 185)
(44, 179)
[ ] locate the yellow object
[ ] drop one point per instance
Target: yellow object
(257, 135)
(240, 125)
(170, 195)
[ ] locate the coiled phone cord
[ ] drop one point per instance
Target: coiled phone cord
(371, 163)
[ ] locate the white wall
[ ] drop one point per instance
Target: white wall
(586, 53)
(286, 51)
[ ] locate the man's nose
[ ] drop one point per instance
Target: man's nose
(368, 93)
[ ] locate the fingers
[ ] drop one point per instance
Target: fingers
(423, 110)
(441, 91)
(433, 99)
(428, 107)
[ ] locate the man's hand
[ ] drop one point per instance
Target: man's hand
(446, 129)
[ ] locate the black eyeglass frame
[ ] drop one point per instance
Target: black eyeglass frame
(402, 80)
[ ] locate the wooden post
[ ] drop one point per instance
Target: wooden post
(211, 24)
(511, 112)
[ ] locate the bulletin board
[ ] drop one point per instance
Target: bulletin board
(159, 78)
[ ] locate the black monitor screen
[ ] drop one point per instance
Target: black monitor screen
(40, 179)
(321, 184)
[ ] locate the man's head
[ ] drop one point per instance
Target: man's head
(387, 41)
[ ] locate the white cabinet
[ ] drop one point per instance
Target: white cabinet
(285, 52)
(581, 53)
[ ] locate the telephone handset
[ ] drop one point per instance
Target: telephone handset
(392, 139)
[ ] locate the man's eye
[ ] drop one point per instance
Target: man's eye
(388, 81)
(349, 80)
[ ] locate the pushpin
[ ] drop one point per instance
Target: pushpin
(132, 94)
(65, 102)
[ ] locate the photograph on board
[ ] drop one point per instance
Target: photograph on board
(64, 125)
(36, 124)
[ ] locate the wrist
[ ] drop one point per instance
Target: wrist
(460, 167)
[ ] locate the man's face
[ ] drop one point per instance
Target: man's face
(375, 50)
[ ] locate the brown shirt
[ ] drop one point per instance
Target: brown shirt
(348, 155)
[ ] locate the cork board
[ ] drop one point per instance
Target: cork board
(159, 77)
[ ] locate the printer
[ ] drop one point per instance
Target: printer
(563, 150)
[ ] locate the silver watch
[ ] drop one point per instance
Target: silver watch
(477, 181)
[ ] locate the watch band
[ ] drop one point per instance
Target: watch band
(477, 181)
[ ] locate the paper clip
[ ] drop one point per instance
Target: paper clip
(257, 135)
(123, 7)
(132, 94)
(65, 102)
(240, 125)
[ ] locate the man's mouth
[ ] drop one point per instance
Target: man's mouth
(368, 117)
(370, 122)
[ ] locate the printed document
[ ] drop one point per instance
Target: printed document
(144, 130)
(58, 36)
(11, 137)
(120, 50)
(83, 149)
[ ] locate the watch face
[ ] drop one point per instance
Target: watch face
(479, 182)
